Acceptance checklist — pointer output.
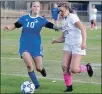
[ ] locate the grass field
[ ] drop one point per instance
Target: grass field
(14, 72)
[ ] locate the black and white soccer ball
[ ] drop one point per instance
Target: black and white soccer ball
(27, 87)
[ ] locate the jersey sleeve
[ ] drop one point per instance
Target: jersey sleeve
(74, 18)
(45, 21)
(21, 20)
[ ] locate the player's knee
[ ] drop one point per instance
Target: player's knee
(39, 69)
(64, 68)
(30, 68)
(74, 70)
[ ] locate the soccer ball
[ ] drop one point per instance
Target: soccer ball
(27, 87)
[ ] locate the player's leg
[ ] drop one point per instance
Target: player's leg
(95, 26)
(66, 73)
(92, 24)
(75, 66)
(28, 61)
(39, 66)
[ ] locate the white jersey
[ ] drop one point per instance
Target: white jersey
(71, 33)
(93, 13)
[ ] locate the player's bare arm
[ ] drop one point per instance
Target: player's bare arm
(83, 32)
(59, 40)
(12, 26)
(9, 27)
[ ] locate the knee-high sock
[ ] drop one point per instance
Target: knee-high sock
(83, 68)
(68, 79)
(34, 79)
(92, 25)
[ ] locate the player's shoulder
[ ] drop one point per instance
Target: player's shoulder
(73, 15)
(41, 17)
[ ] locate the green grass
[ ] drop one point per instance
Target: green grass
(11, 84)
(12, 64)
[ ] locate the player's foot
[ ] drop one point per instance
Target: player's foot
(69, 89)
(43, 72)
(89, 70)
(37, 86)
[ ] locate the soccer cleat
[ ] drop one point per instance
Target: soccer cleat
(43, 72)
(69, 89)
(37, 86)
(89, 70)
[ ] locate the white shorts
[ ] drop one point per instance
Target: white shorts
(93, 17)
(74, 49)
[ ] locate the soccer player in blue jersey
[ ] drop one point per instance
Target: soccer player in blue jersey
(55, 15)
(30, 40)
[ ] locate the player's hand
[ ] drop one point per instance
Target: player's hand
(83, 46)
(54, 41)
(6, 27)
(55, 28)
(59, 29)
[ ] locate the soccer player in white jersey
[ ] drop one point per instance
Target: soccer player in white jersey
(93, 17)
(74, 38)
(30, 40)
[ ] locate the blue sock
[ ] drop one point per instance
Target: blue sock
(34, 79)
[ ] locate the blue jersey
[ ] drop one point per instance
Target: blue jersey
(55, 13)
(30, 39)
